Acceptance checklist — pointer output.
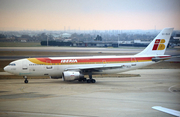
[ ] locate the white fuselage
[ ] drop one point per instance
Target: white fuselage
(32, 67)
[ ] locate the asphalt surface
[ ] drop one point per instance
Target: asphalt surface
(111, 96)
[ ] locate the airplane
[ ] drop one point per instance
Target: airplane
(167, 110)
(74, 68)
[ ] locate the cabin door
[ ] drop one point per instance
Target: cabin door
(49, 65)
(104, 62)
(133, 61)
(25, 67)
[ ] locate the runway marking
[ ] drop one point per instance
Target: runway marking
(43, 114)
(172, 87)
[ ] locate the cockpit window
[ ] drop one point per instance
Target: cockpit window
(12, 64)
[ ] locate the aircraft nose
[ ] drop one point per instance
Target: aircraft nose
(6, 69)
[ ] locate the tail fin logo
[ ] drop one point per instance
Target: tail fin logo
(159, 44)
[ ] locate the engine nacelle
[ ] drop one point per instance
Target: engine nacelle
(71, 75)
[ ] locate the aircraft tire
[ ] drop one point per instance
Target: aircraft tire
(84, 79)
(89, 81)
(26, 81)
(93, 81)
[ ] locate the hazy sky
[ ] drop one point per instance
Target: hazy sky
(89, 14)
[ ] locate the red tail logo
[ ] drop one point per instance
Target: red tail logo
(159, 44)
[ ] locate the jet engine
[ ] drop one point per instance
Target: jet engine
(71, 75)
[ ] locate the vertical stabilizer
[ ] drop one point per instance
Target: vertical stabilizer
(159, 44)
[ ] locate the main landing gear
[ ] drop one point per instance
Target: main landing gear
(25, 81)
(90, 80)
(82, 80)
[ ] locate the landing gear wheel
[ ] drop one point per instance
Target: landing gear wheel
(89, 81)
(26, 81)
(82, 80)
(93, 80)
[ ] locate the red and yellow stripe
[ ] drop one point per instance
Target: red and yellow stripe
(48, 61)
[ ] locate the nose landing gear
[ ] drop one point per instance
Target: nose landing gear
(25, 81)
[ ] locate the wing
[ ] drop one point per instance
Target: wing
(166, 110)
(96, 67)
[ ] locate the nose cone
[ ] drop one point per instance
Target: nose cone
(6, 69)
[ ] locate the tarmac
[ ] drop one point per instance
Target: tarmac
(109, 96)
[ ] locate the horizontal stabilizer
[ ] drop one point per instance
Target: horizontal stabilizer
(157, 59)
